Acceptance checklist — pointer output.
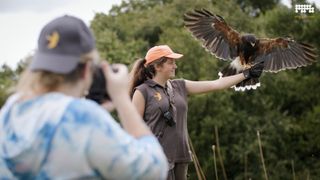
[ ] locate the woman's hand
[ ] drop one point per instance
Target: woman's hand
(117, 80)
(255, 71)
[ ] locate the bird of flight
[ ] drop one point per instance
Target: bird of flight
(244, 51)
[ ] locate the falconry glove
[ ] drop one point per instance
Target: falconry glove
(255, 71)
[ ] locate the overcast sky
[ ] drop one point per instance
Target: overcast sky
(21, 22)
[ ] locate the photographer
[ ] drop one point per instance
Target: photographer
(48, 131)
(163, 102)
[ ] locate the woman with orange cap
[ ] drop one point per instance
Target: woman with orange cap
(163, 102)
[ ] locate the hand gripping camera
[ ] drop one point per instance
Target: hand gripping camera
(98, 89)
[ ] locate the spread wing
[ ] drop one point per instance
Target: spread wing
(216, 36)
(283, 53)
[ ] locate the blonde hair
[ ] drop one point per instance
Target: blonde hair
(49, 81)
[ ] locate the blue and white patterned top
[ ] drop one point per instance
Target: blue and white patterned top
(55, 136)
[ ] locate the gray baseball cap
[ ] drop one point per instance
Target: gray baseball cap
(61, 43)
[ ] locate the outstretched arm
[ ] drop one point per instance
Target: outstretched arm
(197, 87)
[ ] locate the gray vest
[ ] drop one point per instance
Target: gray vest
(174, 139)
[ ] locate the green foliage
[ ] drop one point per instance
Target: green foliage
(7, 79)
(255, 7)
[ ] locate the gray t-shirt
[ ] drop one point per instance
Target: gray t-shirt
(174, 139)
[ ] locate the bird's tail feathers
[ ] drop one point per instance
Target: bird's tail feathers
(247, 84)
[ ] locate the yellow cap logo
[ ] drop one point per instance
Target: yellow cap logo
(157, 95)
(53, 40)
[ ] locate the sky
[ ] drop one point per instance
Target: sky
(21, 22)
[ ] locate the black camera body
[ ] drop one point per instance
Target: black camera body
(98, 89)
(169, 118)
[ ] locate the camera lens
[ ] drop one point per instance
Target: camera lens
(98, 91)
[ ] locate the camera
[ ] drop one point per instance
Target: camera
(169, 118)
(98, 91)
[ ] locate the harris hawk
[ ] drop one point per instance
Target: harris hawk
(246, 50)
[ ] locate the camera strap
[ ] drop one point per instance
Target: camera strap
(169, 92)
(171, 100)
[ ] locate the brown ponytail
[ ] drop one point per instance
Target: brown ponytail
(139, 73)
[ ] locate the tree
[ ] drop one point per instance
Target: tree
(7, 79)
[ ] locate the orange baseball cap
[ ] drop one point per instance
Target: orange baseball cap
(157, 52)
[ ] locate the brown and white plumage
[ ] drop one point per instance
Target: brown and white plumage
(246, 50)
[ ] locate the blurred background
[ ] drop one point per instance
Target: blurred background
(285, 109)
